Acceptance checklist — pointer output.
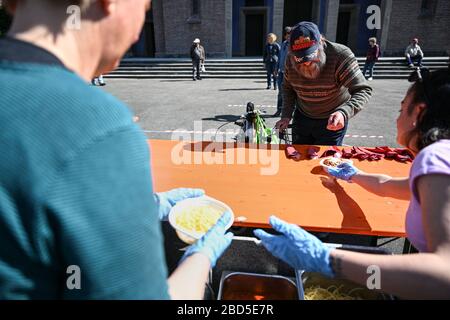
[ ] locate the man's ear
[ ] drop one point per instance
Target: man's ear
(108, 6)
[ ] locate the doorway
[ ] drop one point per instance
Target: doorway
(347, 26)
(343, 27)
(296, 11)
(253, 28)
(150, 39)
(254, 34)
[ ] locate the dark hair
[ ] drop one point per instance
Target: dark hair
(433, 123)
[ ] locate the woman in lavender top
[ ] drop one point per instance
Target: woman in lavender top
(423, 126)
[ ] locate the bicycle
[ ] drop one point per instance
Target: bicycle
(253, 128)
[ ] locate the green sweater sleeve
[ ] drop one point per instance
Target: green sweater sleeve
(105, 220)
(350, 76)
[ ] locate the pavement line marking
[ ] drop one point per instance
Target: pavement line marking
(213, 131)
(257, 106)
(363, 136)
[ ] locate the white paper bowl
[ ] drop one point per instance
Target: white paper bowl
(189, 236)
(326, 167)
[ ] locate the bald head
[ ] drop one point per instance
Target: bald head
(98, 34)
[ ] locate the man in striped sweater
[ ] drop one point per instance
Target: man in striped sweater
(325, 80)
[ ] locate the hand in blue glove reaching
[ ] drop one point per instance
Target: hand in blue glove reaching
(344, 171)
(166, 200)
(214, 243)
(296, 247)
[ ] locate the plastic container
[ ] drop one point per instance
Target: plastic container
(190, 236)
(251, 286)
(326, 167)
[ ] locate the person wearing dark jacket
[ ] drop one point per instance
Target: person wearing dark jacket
(284, 48)
(373, 53)
(270, 58)
(198, 57)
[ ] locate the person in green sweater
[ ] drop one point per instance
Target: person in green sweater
(76, 196)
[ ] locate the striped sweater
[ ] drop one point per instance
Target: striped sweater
(341, 86)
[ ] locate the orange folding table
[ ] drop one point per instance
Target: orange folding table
(257, 183)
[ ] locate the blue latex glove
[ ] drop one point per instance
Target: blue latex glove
(344, 171)
(166, 200)
(214, 243)
(298, 248)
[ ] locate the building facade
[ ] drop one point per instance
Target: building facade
(238, 28)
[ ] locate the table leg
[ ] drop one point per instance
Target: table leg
(408, 247)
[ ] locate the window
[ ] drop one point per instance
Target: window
(254, 3)
(196, 8)
(427, 8)
(195, 12)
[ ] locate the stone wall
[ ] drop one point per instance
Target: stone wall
(179, 27)
(407, 22)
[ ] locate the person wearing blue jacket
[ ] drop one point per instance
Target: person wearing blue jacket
(270, 58)
(280, 69)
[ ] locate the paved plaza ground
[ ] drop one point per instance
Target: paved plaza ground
(165, 106)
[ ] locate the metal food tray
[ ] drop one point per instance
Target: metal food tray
(236, 285)
(307, 279)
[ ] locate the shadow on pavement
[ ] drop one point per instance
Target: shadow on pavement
(243, 89)
(224, 118)
(178, 80)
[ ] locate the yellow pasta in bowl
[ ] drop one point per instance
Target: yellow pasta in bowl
(192, 218)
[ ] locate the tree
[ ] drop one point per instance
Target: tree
(5, 21)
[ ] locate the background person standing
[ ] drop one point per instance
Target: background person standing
(373, 53)
(270, 58)
(280, 69)
(198, 57)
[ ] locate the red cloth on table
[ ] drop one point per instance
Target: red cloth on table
(347, 153)
(398, 154)
(292, 153)
(313, 152)
(332, 152)
(371, 155)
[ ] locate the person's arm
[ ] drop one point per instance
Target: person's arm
(281, 58)
(423, 275)
(265, 54)
(288, 92)
(350, 76)
(278, 52)
(408, 51)
(420, 52)
(203, 54)
(383, 185)
(188, 281)
(415, 276)
(379, 184)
